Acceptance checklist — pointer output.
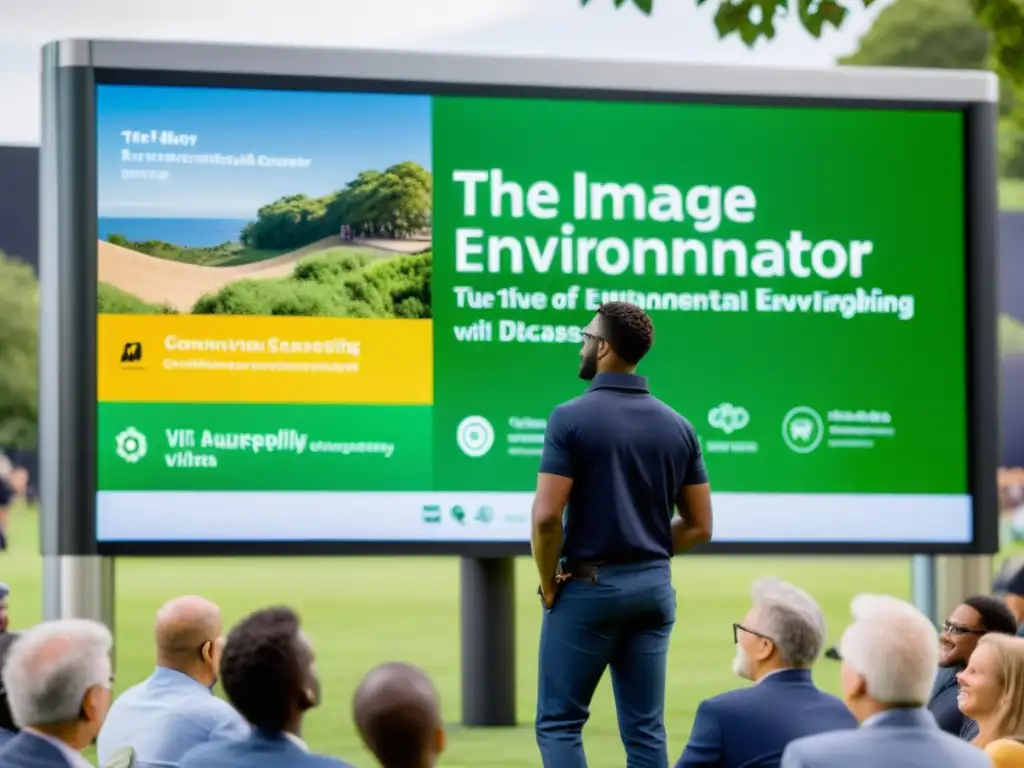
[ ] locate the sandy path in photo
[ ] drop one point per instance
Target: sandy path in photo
(179, 285)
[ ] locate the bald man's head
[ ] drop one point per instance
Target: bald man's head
(398, 714)
(188, 637)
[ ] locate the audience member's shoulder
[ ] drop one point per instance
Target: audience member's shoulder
(730, 700)
(202, 755)
(1005, 749)
(830, 743)
(326, 761)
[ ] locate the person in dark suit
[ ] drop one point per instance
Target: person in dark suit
(776, 644)
(398, 714)
(5, 593)
(57, 679)
(268, 672)
(7, 725)
(974, 618)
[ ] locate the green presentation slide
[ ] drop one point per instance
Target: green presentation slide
(353, 327)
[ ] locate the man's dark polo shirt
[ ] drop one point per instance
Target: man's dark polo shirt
(628, 455)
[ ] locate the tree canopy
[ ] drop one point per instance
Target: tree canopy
(395, 202)
(19, 354)
(942, 34)
(754, 20)
(948, 34)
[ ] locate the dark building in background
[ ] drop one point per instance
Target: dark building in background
(19, 203)
(1011, 264)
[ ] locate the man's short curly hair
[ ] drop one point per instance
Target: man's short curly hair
(994, 613)
(261, 668)
(627, 329)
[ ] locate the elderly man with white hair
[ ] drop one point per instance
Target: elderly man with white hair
(776, 643)
(889, 655)
(57, 678)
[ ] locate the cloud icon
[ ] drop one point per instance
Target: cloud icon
(728, 417)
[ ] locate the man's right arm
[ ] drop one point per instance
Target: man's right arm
(694, 522)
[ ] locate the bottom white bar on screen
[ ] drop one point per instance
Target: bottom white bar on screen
(156, 516)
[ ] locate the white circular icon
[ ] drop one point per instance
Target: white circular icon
(803, 429)
(475, 436)
(131, 445)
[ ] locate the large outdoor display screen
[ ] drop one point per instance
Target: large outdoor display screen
(345, 316)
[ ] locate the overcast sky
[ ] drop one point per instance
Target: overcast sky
(677, 32)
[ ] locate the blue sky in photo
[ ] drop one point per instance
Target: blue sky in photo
(341, 133)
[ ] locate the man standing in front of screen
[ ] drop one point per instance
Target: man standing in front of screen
(616, 464)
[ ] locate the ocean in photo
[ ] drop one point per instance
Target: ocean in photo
(188, 233)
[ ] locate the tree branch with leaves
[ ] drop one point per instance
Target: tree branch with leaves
(755, 20)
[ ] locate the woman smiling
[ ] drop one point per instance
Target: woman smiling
(992, 694)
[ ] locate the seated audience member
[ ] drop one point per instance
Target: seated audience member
(778, 641)
(5, 592)
(57, 679)
(889, 654)
(7, 726)
(968, 623)
(8, 493)
(174, 709)
(398, 715)
(992, 693)
(268, 672)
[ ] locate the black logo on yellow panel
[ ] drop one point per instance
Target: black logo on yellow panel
(132, 352)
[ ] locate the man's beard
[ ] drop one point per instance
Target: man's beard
(741, 664)
(588, 367)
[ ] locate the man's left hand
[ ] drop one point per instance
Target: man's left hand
(548, 593)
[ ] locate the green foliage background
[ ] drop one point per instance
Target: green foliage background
(944, 34)
(19, 353)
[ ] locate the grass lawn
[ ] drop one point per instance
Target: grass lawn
(360, 612)
(1011, 194)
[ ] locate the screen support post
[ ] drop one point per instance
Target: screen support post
(487, 627)
(77, 583)
(78, 587)
(922, 585)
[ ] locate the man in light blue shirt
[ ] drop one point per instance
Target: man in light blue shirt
(174, 710)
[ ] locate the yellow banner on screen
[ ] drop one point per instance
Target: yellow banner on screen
(226, 359)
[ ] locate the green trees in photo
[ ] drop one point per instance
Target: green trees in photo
(340, 282)
(111, 300)
(19, 353)
(392, 203)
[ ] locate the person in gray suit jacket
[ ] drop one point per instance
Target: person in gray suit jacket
(889, 654)
(57, 679)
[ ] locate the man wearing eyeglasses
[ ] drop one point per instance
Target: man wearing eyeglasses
(777, 643)
(969, 621)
